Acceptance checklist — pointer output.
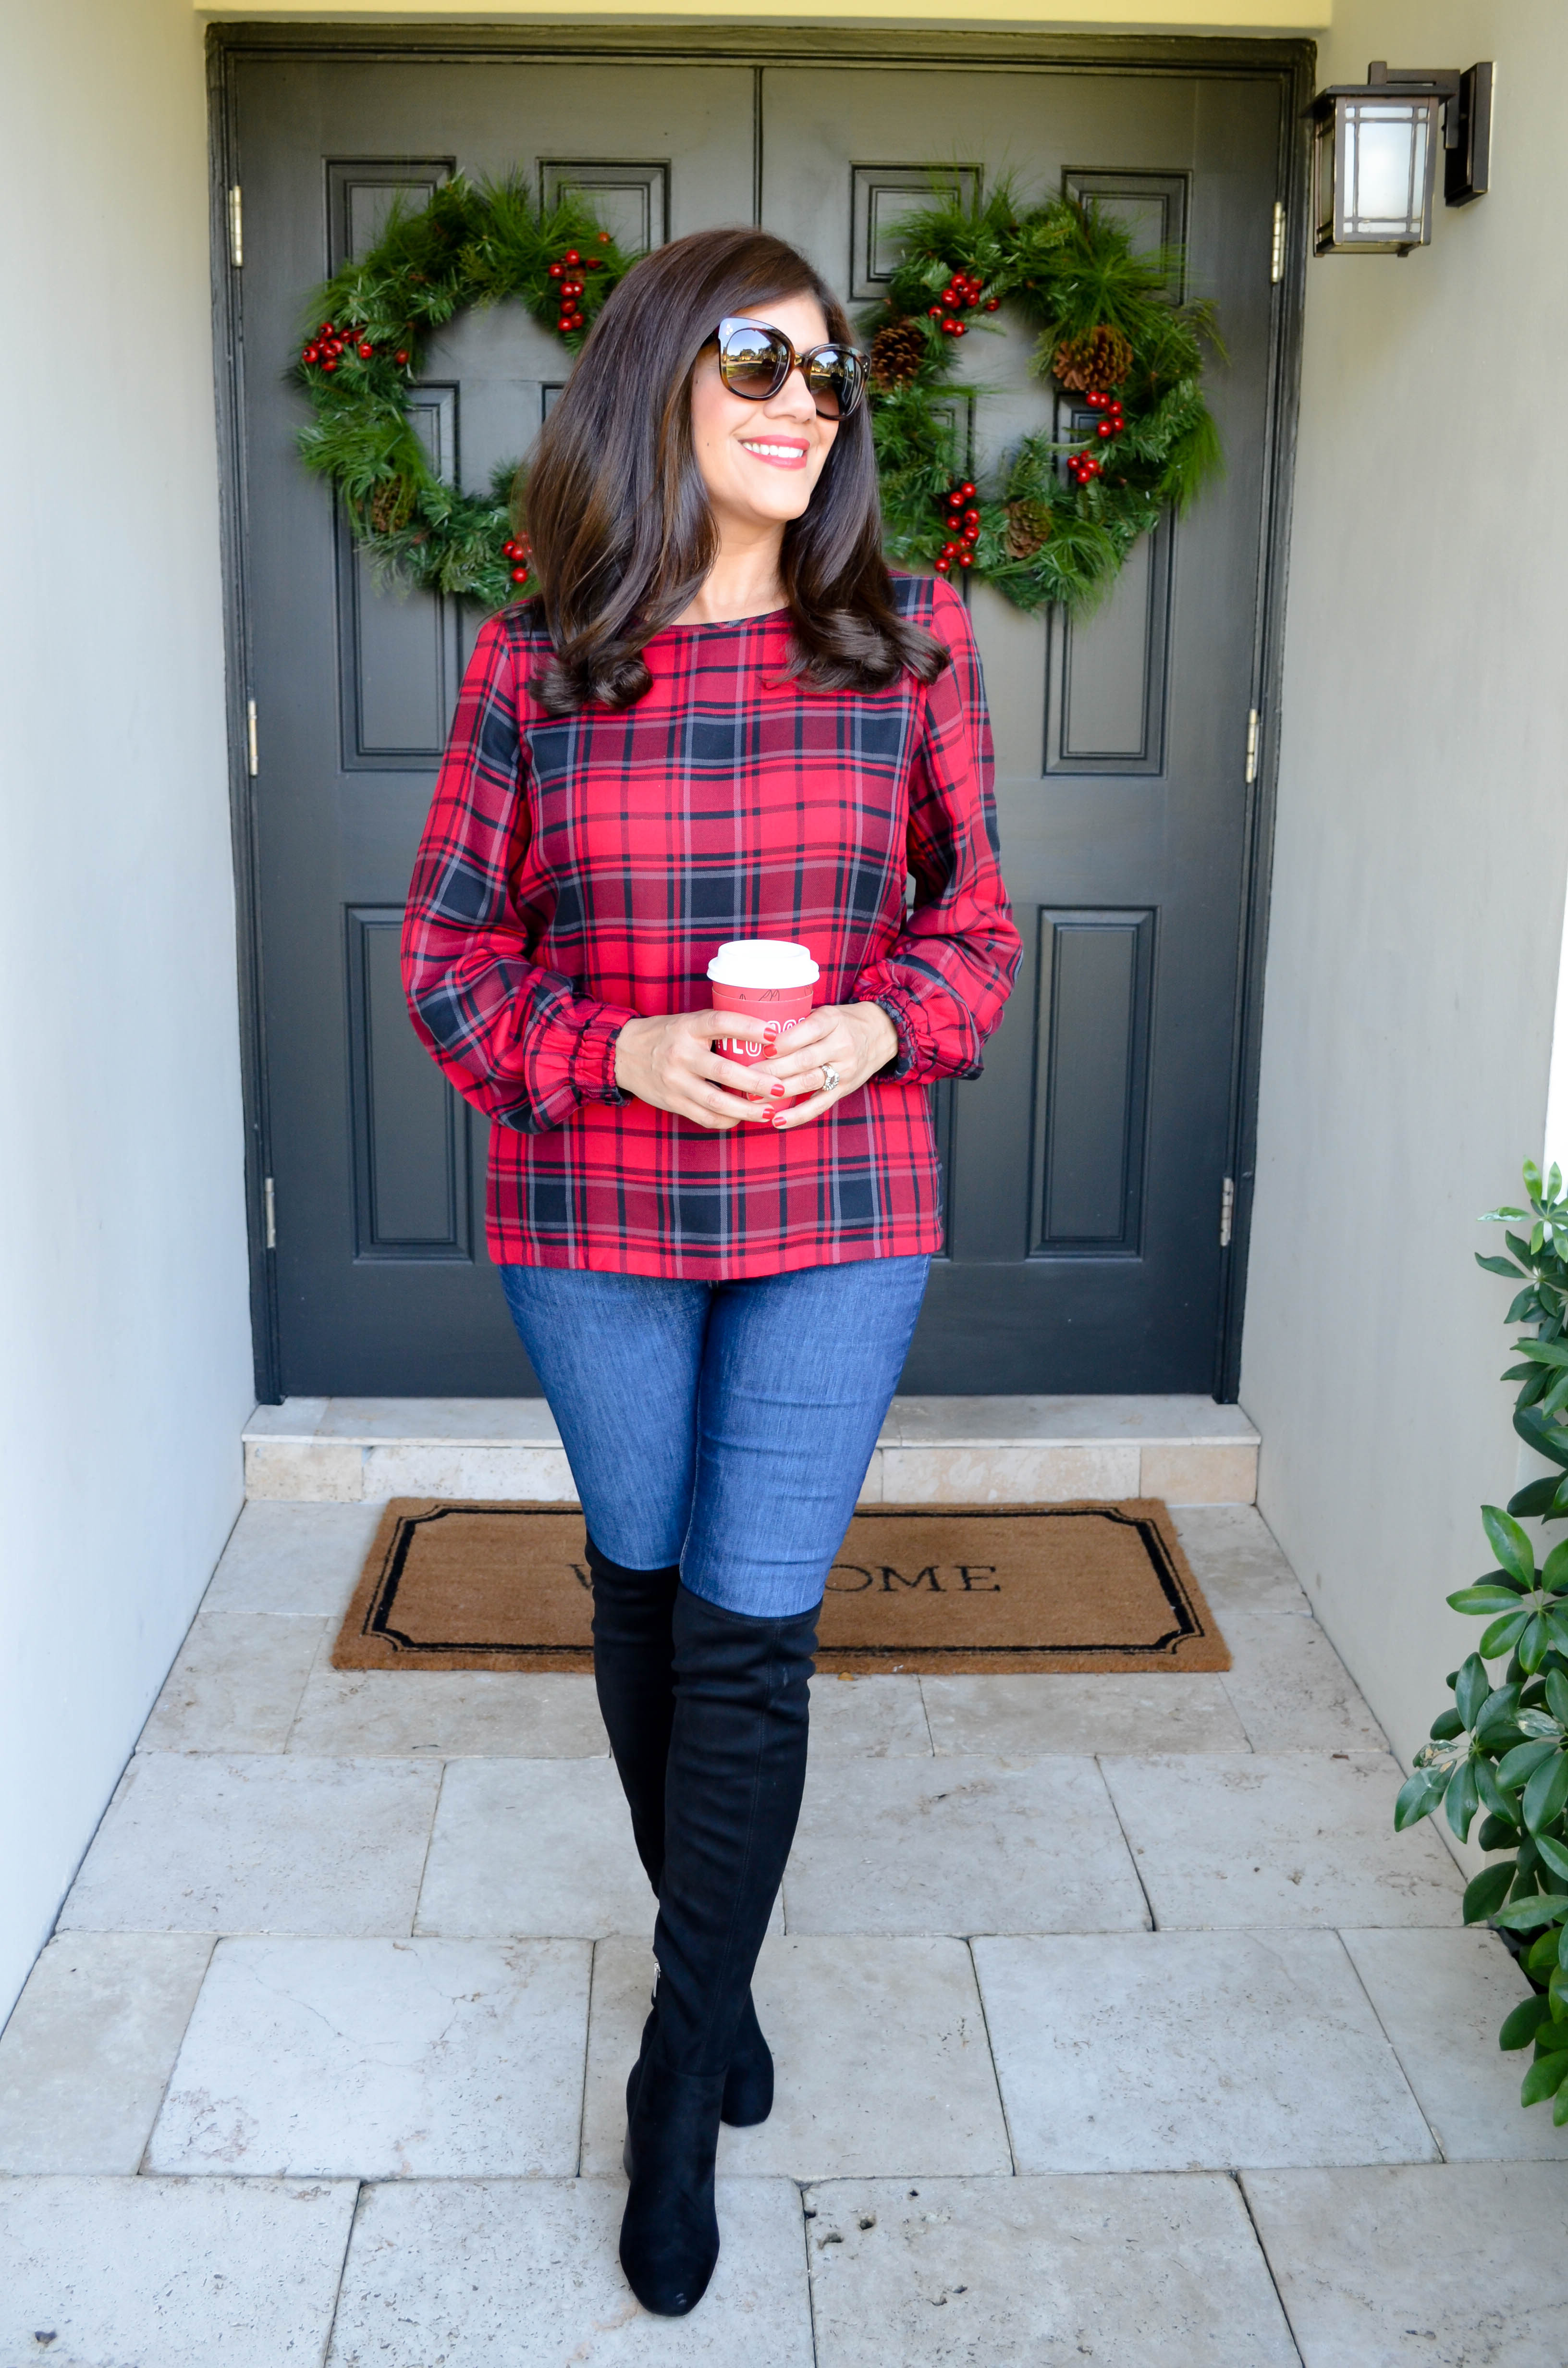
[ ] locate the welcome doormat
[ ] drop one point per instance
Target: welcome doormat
(945, 1589)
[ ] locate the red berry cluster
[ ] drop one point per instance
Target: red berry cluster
(963, 293)
(568, 273)
(520, 553)
(331, 346)
(962, 522)
(1083, 466)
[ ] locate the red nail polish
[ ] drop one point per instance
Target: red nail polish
(775, 1090)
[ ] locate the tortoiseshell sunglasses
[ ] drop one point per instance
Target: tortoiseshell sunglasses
(755, 359)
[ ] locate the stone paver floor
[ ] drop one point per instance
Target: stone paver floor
(1113, 2024)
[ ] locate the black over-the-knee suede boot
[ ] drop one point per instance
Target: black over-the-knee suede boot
(736, 1769)
(633, 1675)
(634, 1655)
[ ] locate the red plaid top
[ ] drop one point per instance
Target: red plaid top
(577, 871)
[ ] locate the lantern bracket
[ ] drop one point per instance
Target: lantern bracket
(1467, 121)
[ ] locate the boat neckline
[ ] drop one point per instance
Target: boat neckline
(723, 624)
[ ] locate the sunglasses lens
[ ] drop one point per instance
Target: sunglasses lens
(753, 359)
(833, 376)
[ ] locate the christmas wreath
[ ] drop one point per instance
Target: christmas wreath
(1056, 523)
(1062, 512)
(473, 244)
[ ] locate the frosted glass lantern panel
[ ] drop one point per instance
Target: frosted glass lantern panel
(1386, 170)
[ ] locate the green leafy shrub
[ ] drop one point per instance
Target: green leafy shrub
(1502, 1751)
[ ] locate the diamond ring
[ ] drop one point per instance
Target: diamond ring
(829, 1078)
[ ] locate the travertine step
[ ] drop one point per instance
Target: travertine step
(932, 1450)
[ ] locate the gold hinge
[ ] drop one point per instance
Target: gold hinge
(1276, 262)
(252, 757)
(236, 228)
(269, 1208)
(1227, 1210)
(1252, 745)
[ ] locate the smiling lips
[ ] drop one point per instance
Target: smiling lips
(778, 455)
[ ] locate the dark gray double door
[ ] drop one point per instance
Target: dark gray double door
(1086, 1168)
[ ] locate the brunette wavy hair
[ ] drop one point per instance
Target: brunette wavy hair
(618, 516)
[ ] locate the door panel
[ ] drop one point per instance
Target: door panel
(1096, 974)
(1108, 676)
(881, 196)
(412, 1180)
(631, 200)
(399, 661)
(1085, 1167)
(1087, 1164)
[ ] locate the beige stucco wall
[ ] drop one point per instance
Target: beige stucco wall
(125, 1376)
(1419, 870)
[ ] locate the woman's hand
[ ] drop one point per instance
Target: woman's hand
(671, 1064)
(854, 1038)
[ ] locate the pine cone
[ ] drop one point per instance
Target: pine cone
(391, 505)
(898, 350)
(1102, 358)
(1028, 526)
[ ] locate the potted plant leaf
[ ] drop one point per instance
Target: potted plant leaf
(1501, 1752)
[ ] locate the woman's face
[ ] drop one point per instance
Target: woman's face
(760, 461)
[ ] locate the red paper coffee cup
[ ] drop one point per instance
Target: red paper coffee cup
(769, 981)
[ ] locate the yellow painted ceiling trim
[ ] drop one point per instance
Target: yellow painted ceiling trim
(991, 16)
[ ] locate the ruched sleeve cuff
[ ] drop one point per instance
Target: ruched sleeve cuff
(592, 1067)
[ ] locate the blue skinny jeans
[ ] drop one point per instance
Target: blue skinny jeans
(722, 1426)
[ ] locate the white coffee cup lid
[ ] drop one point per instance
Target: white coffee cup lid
(762, 961)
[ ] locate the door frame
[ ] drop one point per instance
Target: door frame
(1289, 64)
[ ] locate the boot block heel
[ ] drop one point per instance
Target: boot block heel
(669, 2236)
(748, 2084)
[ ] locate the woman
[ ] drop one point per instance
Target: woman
(721, 719)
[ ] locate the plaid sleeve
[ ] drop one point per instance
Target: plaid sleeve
(945, 977)
(515, 1039)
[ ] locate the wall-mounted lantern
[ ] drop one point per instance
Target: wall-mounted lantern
(1375, 154)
